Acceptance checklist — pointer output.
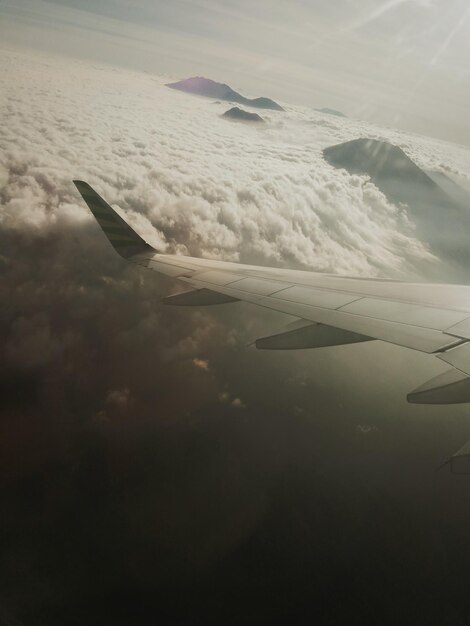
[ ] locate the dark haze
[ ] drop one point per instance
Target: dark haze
(154, 469)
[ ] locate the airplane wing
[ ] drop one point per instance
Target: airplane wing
(331, 310)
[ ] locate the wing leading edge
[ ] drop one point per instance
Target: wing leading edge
(333, 310)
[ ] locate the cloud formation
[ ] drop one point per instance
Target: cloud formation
(187, 180)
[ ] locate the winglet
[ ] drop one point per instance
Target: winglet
(121, 236)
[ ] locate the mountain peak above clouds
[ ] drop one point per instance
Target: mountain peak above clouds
(200, 86)
(436, 205)
(378, 159)
(236, 113)
(329, 111)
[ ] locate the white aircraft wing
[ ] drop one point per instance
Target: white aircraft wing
(332, 310)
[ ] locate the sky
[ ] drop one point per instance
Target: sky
(402, 63)
(154, 466)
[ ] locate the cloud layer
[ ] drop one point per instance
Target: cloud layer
(190, 181)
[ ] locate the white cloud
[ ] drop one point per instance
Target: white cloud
(238, 403)
(201, 364)
(225, 397)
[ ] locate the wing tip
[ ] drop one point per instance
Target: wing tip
(80, 183)
(124, 239)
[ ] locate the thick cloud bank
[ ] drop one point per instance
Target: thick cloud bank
(153, 468)
(190, 182)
